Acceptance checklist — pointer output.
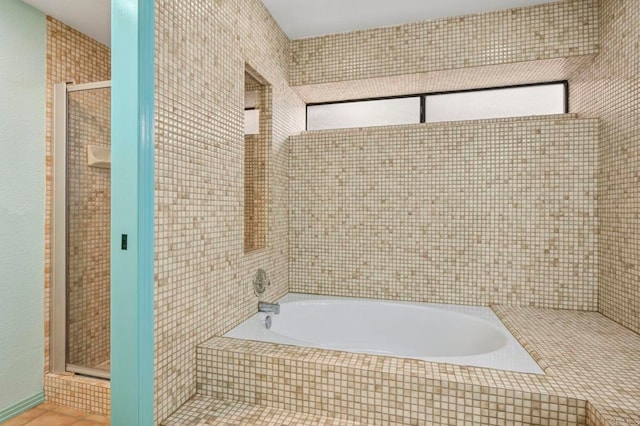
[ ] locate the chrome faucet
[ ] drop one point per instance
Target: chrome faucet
(269, 307)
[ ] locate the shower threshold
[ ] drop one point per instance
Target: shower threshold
(89, 371)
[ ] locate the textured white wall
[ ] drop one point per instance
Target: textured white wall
(22, 199)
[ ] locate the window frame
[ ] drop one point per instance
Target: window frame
(423, 98)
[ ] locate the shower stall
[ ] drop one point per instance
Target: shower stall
(80, 294)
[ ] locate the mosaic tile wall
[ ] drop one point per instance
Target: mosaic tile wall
(203, 277)
(557, 69)
(610, 89)
(563, 29)
(71, 56)
(89, 225)
(496, 211)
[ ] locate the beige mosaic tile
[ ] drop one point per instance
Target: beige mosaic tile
(203, 276)
(594, 418)
(467, 213)
(610, 89)
(375, 390)
(556, 30)
(586, 358)
(83, 393)
(590, 356)
(206, 411)
(203, 283)
(557, 69)
(72, 56)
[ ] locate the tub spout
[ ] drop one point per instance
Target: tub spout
(273, 308)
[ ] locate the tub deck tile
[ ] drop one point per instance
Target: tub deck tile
(592, 376)
(587, 355)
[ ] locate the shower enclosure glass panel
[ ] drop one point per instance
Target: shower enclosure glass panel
(81, 301)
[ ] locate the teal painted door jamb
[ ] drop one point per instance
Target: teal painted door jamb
(132, 212)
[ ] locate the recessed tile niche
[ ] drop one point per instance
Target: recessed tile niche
(257, 139)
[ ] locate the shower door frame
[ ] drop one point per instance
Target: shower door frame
(58, 301)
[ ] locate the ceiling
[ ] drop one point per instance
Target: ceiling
(91, 17)
(298, 18)
(308, 18)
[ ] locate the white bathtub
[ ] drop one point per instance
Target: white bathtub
(464, 335)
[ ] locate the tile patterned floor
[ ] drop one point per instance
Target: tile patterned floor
(48, 414)
(201, 410)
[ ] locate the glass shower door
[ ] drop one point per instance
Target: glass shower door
(82, 293)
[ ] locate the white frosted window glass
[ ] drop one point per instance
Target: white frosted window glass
(383, 112)
(497, 103)
(251, 121)
(250, 99)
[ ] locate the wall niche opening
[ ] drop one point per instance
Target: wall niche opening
(257, 140)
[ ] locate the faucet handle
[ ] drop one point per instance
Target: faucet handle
(260, 282)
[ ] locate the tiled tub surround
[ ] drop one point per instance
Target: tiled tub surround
(203, 276)
(554, 264)
(589, 363)
(610, 89)
(491, 211)
(371, 389)
(587, 356)
(556, 30)
(452, 334)
(71, 56)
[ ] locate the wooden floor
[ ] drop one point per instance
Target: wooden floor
(54, 415)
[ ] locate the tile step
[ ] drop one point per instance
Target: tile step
(205, 410)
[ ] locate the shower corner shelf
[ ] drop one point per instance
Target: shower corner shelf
(98, 156)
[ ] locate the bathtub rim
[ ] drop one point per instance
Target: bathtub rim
(485, 310)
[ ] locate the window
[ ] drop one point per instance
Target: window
(496, 103)
(251, 111)
(378, 112)
(476, 104)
